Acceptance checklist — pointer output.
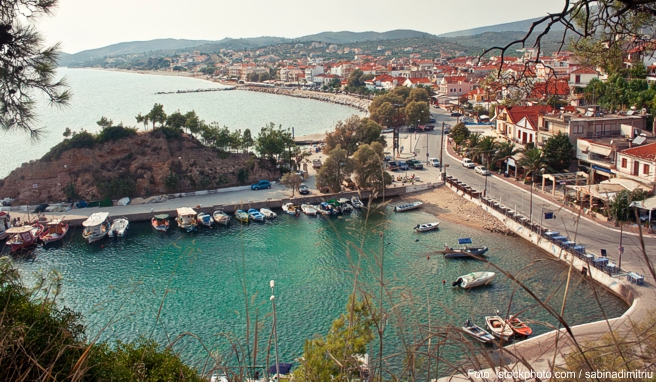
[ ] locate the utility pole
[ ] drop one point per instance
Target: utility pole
(442, 147)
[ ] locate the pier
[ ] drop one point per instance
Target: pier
(198, 90)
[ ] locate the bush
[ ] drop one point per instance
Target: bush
(171, 132)
(117, 186)
(242, 175)
(114, 133)
(171, 182)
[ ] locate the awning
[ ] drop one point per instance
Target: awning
(182, 211)
(601, 150)
(647, 204)
(584, 146)
(96, 219)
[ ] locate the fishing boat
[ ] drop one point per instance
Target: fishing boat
(187, 219)
(346, 205)
(407, 206)
(268, 213)
(95, 227)
(499, 327)
(291, 209)
(519, 327)
(242, 216)
(160, 222)
(474, 279)
(321, 211)
(309, 209)
(24, 237)
(330, 208)
(337, 206)
(55, 231)
(255, 215)
(221, 217)
(427, 227)
(356, 202)
(477, 332)
(463, 252)
(5, 224)
(205, 219)
(119, 227)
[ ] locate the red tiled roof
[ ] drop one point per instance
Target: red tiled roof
(516, 113)
(584, 71)
(551, 87)
(420, 80)
(646, 152)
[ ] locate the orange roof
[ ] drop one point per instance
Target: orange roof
(551, 87)
(646, 152)
(516, 113)
(584, 71)
(420, 80)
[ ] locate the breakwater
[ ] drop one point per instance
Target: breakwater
(361, 104)
(198, 90)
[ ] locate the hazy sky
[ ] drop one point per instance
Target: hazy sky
(88, 24)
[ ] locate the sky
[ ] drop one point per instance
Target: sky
(89, 24)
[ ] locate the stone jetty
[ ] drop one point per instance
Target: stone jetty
(361, 104)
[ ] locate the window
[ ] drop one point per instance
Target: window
(607, 130)
(578, 129)
(624, 162)
(577, 79)
(645, 169)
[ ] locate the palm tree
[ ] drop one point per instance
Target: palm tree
(505, 150)
(472, 143)
(533, 163)
(486, 149)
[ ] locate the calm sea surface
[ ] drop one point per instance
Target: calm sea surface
(199, 279)
(122, 96)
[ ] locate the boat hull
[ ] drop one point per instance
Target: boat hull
(499, 327)
(478, 333)
(474, 279)
(427, 227)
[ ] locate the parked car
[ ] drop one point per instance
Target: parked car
(466, 162)
(392, 165)
(431, 120)
(262, 184)
(316, 164)
(456, 114)
(415, 164)
(6, 201)
(303, 189)
(447, 129)
(388, 156)
(482, 170)
(348, 183)
(403, 166)
(434, 162)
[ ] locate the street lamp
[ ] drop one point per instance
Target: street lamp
(530, 207)
(272, 284)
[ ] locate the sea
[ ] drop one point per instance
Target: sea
(198, 290)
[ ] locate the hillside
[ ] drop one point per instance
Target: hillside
(516, 26)
(346, 37)
(135, 166)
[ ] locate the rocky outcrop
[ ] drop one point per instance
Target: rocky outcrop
(141, 163)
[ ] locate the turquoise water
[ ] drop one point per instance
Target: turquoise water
(122, 283)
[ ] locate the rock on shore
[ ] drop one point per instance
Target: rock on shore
(341, 99)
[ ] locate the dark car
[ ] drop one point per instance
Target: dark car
(392, 165)
(303, 189)
(456, 114)
(431, 120)
(415, 164)
(262, 184)
(403, 166)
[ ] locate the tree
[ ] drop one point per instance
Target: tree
(418, 95)
(247, 140)
(157, 115)
(104, 122)
(486, 149)
(533, 162)
(193, 124)
(619, 209)
(351, 132)
(368, 167)
(26, 66)
(472, 143)
(235, 140)
(459, 134)
(176, 120)
(558, 152)
(384, 115)
(67, 132)
(145, 119)
(335, 169)
(504, 151)
(292, 180)
(354, 78)
(386, 109)
(271, 142)
(416, 113)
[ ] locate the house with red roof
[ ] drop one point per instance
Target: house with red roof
(639, 164)
(413, 82)
(519, 124)
(581, 77)
(455, 86)
(544, 90)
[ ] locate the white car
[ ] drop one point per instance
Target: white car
(434, 162)
(6, 202)
(482, 170)
(466, 162)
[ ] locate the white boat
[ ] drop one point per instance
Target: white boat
(474, 279)
(477, 332)
(255, 215)
(290, 209)
(221, 217)
(499, 327)
(205, 219)
(321, 211)
(95, 227)
(407, 206)
(160, 222)
(268, 213)
(5, 224)
(356, 202)
(186, 219)
(309, 209)
(346, 205)
(427, 227)
(463, 252)
(119, 227)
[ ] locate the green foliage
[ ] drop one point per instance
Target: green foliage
(247, 140)
(222, 179)
(79, 140)
(292, 180)
(114, 133)
(348, 134)
(558, 152)
(272, 142)
(176, 120)
(619, 93)
(354, 78)
(534, 163)
(459, 134)
(171, 132)
(486, 149)
(117, 186)
(242, 175)
(157, 115)
(71, 191)
(619, 207)
(104, 122)
(171, 182)
(368, 167)
(67, 133)
(416, 113)
(335, 169)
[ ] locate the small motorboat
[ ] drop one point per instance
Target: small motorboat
(499, 327)
(255, 215)
(268, 213)
(321, 211)
(474, 279)
(407, 206)
(519, 327)
(356, 202)
(309, 209)
(291, 209)
(160, 222)
(95, 227)
(346, 205)
(477, 332)
(242, 216)
(5, 224)
(187, 219)
(220, 217)
(55, 231)
(337, 206)
(24, 237)
(463, 252)
(427, 227)
(205, 219)
(119, 227)
(328, 207)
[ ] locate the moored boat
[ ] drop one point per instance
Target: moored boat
(519, 327)
(407, 206)
(474, 279)
(427, 227)
(477, 332)
(463, 252)
(328, 207)
(255, 215)
(221, 217)
(268, 213)
(309, 209)
(5, 224)
(95, 227)
(242, 216)
(205, 219)
(499, 327)
(55, 230)
(346, 205)
(291, 209)
(119, 227)
(24, 237)
(356, 202)
(187, 219)
(337, 206)
(160, 222)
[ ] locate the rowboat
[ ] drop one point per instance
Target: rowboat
(474, 279)
(268, 213)
(95, 227)
(119, 227)
(519, 327)
(186, 219)
(255, 215)
(463, 252)
(221, 217)
(477, 332)
(160, 222)
(356, 202)
(427, 227)
(309, 209)
(242, 216)
(407, 206)
(55, 231)
(291, 209)
(23, 237)
(205, 219)
(499, 327)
